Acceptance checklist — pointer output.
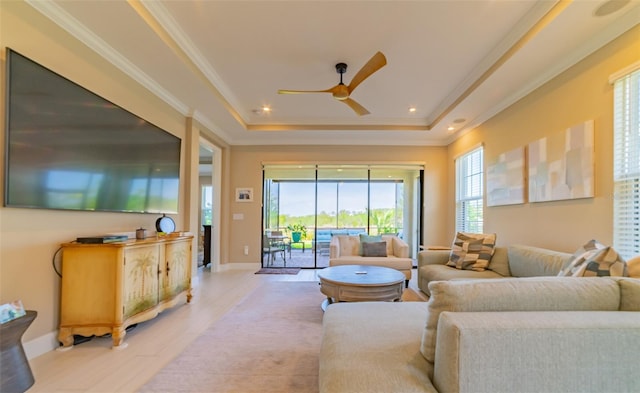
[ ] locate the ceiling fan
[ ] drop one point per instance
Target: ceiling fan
(341, 91)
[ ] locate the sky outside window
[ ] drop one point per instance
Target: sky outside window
(297, 198)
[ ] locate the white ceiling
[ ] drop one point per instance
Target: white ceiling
(457, 62)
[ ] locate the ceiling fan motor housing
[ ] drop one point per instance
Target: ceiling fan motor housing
(341, 91)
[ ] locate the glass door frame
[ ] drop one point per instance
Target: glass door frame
(412, 195)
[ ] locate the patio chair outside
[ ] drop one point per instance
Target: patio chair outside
(271, 247)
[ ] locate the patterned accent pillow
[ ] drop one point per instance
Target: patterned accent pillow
(472, 251)
(364, 238)
(374, 249)
(587, 251)
(594, 259)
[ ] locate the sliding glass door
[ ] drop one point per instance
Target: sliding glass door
(321, 201)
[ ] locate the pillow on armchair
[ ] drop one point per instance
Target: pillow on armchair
(374, 249)
(364, 238)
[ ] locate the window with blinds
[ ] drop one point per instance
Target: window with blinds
(469, 196)
(626, 166)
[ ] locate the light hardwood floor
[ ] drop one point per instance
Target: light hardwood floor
(94, 367)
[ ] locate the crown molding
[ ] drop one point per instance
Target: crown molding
(613, 31)
(491, 62)
(186, 50)
(211, 126)
(63, 19)
(336, 127)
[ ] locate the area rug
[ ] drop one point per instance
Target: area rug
(269, 342)
(279, 270)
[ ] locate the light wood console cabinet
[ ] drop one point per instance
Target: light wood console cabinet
(108, 287)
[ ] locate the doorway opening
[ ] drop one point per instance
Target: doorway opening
(209, 174)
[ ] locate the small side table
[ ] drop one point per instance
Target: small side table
(15, 372)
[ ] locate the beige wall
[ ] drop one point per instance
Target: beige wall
(246, 164)
(579, 94)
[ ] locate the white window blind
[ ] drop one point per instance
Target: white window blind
(626, 166)
(469, 196)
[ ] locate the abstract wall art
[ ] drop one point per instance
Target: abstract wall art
(561, 166)
(506, 178)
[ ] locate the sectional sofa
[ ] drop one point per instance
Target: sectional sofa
(511, 261)
(533, 334)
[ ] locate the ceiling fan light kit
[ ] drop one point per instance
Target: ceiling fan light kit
(342, 92)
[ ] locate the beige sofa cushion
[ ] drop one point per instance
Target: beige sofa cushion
(390, 246)
(576, 351)
(629, 294)
(527, 261)
(500, 262)
(370, 347)
(389, 261)
(517, 294)
(349, 245)
(430, 273)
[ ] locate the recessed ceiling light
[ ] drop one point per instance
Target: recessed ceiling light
(451, 128)
(262, 110)
(412, 109)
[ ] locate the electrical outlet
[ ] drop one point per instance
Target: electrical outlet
(246, 250)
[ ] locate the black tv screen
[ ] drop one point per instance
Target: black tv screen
(68, 148)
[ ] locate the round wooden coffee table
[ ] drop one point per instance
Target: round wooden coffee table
(360, 283)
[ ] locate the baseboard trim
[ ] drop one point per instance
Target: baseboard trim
(41, 345)
(239, 266)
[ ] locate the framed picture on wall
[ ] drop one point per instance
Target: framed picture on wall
(244, 194)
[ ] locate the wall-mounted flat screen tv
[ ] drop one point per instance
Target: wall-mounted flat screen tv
(68, 148)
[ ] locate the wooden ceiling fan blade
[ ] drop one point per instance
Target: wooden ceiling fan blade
(304, 91)
(374, 64)
(357, 108)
